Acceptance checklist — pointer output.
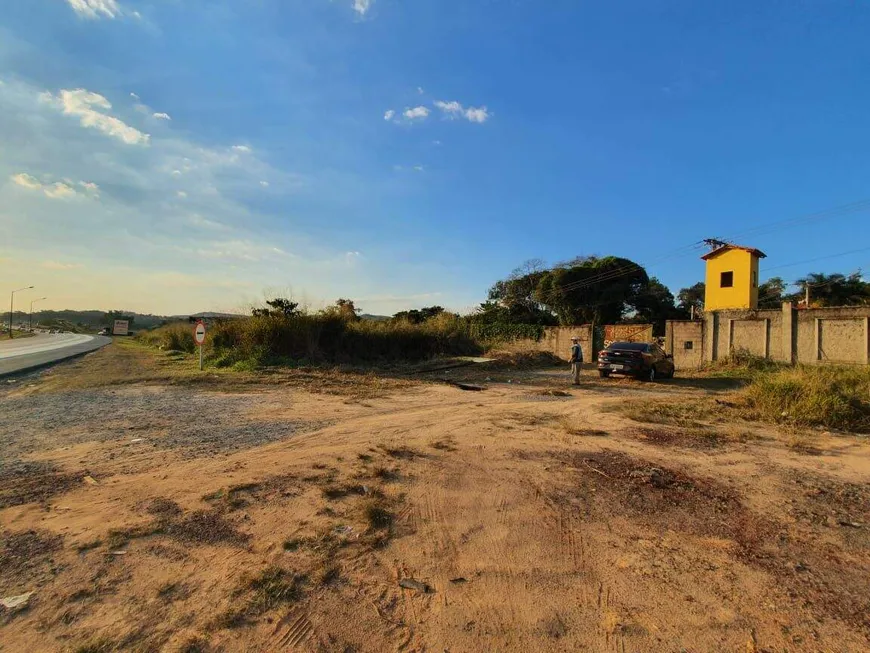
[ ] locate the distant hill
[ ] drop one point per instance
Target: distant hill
(84, 320)
(375, 318)
(206, 315)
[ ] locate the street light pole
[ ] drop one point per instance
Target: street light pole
(31, 310)
(11, 306)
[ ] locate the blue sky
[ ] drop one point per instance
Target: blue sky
(183, 155)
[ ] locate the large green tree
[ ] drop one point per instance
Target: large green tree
(592, 289)
(771, 293)
(655, 305)
(692, 297)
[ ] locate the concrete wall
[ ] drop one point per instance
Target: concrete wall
(816, 335)
(627, 333)
(557, 341)
(832, 335)
(684, 339)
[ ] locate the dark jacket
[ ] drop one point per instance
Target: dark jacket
(576, 353)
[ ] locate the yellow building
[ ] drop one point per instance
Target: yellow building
(732, 277)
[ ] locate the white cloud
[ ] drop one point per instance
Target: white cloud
(419, 168)
(60, 191)
(134, 96)
(417, 113)
(454, 109)
(91, 109)
(96, 8)
(25, 180)
(57, 265)
(436, 142)
(477, 114)
(420, 90)
(181, 194)
(241, 148)
(449, 107)
(388, 114)
(352, 257)
(362, 6)
(161, 116)
(264, 184)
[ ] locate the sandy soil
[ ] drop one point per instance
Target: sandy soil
(158, 516)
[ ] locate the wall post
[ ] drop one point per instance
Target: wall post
(788, 332)
(817, 337)
(710, 336)
(730, 337)
(867, 341)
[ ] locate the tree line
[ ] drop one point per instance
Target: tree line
(610, 290)
(603, 290)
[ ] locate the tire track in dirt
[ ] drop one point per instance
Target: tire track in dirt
(292, 631)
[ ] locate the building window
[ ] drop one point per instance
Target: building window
(726, 280)
(689, 344)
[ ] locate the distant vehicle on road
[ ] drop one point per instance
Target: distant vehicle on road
(105, 331)
(643, 360)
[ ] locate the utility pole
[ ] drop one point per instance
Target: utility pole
(31, 310)
(692, 312)
(12, 305)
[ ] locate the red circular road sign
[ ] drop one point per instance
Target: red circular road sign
(199, 333)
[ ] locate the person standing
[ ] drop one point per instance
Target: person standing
(576, 359)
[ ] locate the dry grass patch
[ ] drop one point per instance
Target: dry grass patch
(685, 414)
(571, 427)
(831, 397)
(264, 591)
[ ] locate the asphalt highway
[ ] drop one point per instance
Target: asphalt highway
(22, 354)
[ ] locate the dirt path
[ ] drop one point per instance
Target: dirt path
(277, 519)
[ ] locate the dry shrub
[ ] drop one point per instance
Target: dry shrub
(832, 397)
(378, 514)
(172, 337)
(683, 414)
(329, 337)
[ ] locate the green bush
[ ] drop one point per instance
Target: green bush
(172, 337)
(329, 337)
(832, 397)
(507, 332)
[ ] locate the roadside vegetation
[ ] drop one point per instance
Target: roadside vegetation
(831, 397)
(285, 335)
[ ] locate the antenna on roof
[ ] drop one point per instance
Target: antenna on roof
(714, 243)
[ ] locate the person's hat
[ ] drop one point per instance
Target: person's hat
(575, 337)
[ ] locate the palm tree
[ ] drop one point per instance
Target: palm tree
(835, 289)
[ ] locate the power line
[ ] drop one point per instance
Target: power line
(818, 258)
(836, 211)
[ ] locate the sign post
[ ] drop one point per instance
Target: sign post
(199, 339)
(121, 328)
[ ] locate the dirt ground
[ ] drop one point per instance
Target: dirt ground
(148, 510)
